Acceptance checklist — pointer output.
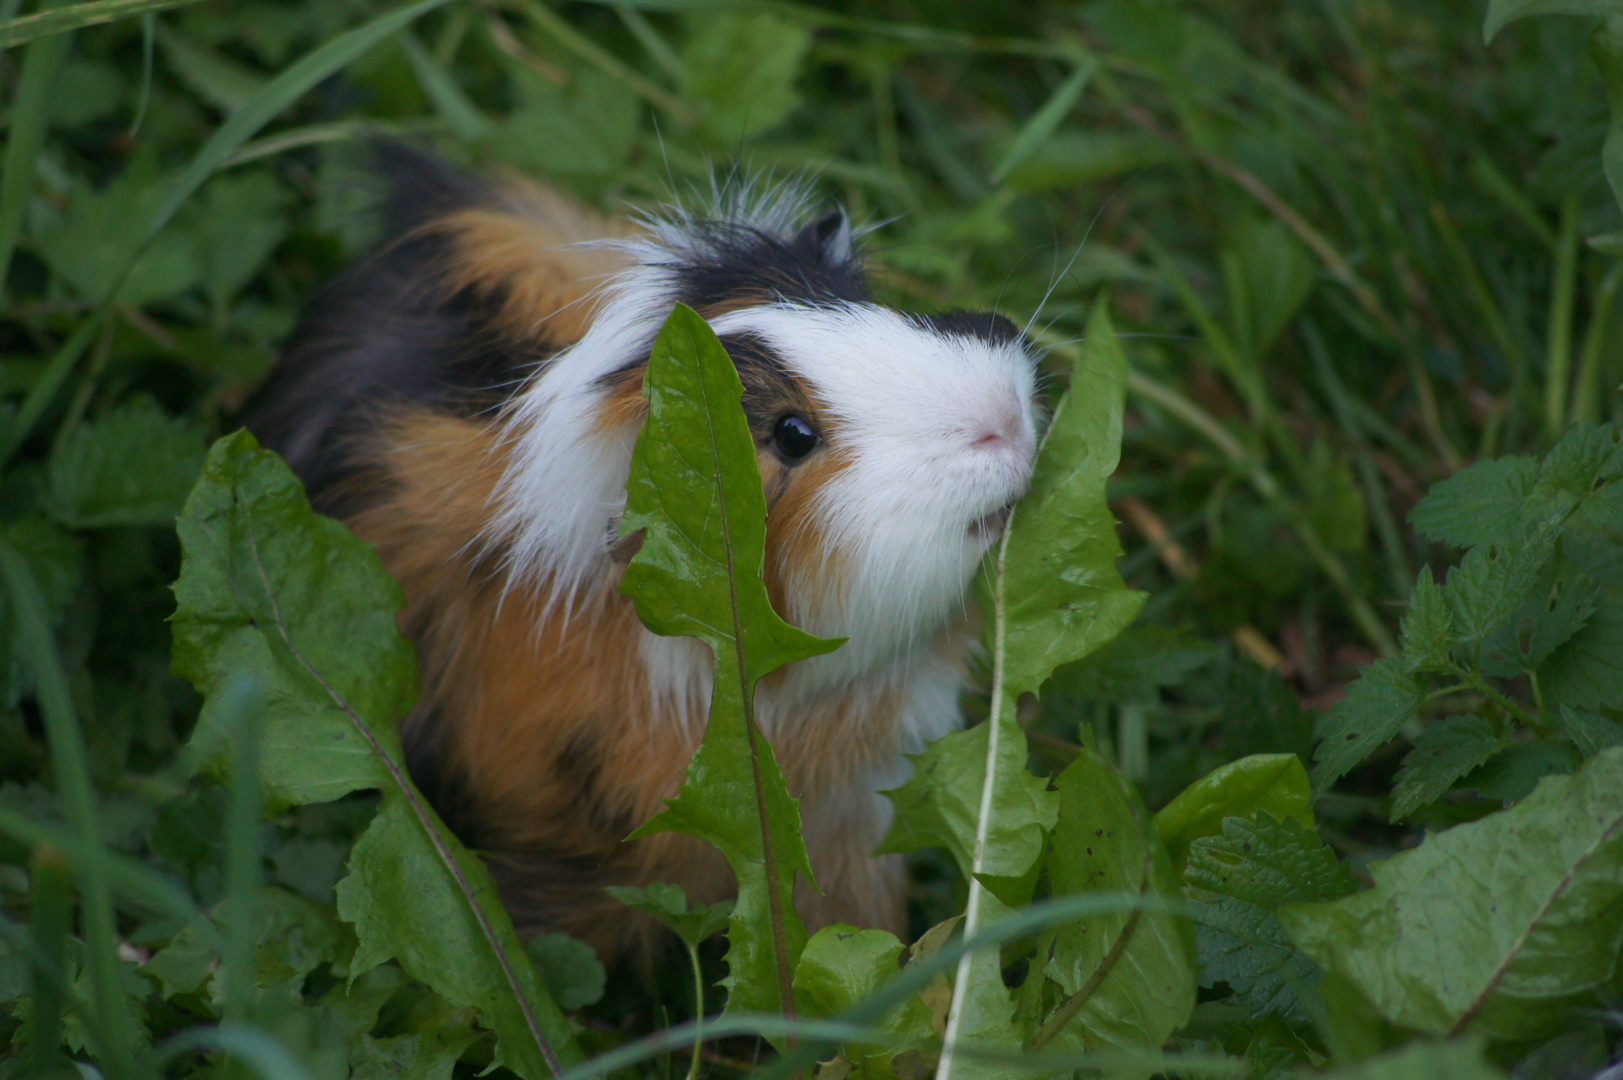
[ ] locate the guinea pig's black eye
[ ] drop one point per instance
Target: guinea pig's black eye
(795, 437)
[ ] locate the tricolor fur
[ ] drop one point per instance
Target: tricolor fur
(467, 400)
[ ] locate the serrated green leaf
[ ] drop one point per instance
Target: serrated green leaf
(1513, 773)
(1443, 753)
(427, 1055)
(742, 67)
(1458, 1059)
(1276, 783)
(1239, 880)
(133, 466)
(587, 128)
(1493, 579)
(1501, 12)
(840, 967)
(238, 219)
(695, 492)
(1063, 594)
(1103, 842)
(1561, 614)
(669, 904)
(1428, 629)
(570, 968)
(269, 587)
(1584, 459)
(1437, 945)
(1477, 504)
(1590, 732)
(1586, 670)
(1385, 694)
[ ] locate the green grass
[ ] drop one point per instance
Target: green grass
(1346, 246)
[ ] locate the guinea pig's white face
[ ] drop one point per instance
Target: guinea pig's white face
(926, 433)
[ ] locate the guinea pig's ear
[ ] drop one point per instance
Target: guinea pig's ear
(828, 237)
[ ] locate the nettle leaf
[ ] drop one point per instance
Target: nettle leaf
(269, 587)
(1238, 881)
(841, 966)
(1582, 461)
(1444, 752)
(1478, 504)
(1438, 945)
(1586, 670)
(1276, 783)
(1375, 708)
(1590, 732)
(1428, 628)
(695, 492)
(133, 466)
(1493, 579)
(1564, 612)
(1513, 773)
(1103, 842)
(669, 904)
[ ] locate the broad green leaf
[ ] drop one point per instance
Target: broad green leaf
(1238, 881)
(841, 966)
(695, 493)
(239, 220)
(587, 128)
(1134, 666)
(1606, 50)
(1375, 708)
(570, 968)
(1063, 595)
(742, 68)
(669, 904)
(426, 1055)
(1457, 1059)
(1580, 463)
(1513, 773)
(1558, 617)
(1428, 629)
(1276, 783)
(1478, 504)
(1438, 944)
(269, 587)
(1590, 732)
(133, 466)
(1586, 670)
(1103, 842)
(1444, 752)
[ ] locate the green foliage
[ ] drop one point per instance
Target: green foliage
(695, 494)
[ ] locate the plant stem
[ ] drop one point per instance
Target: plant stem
(1563, 297)
(53, 915)
(698, 1010)
(972, 910)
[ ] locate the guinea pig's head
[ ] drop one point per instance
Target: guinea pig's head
(891, 445)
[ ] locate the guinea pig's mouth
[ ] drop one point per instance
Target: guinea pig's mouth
(990, 526)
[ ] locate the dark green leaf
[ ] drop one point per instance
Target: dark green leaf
(1276, 783)
(587, 128)
(269, 587)
(1478, 504)
(1493, 580)
(1460, 1059)
(570, 968)
(239, 220)
(1375, 708)
(1134, 666)
(1513, 773)
(429, 1055)
(1428, 630)
(1437, 945)
(1590, 732)
(1443, 753)
(133, 466)
(1586, 671)
(669, 904)
(695, 491)
(841, 966)
(742, 68)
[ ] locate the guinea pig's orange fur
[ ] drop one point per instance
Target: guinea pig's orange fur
(541, 719)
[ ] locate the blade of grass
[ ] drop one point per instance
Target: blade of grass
(1497, 186)
(331, 131)
(1487, 308)
(242, 715)
(252, 1047)
(658, 50)
(1586, 390)
(30, 116)
(69, 764)
(1043, 122)
(130, 878)
(60, 20)
(460, 114)
(1563, 300)
(52, 915)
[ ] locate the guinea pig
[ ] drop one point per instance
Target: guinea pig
(467, 398)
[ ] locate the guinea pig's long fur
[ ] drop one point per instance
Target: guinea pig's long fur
(467, 400)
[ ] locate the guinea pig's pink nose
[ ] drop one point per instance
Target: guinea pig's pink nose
(1002, 425)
